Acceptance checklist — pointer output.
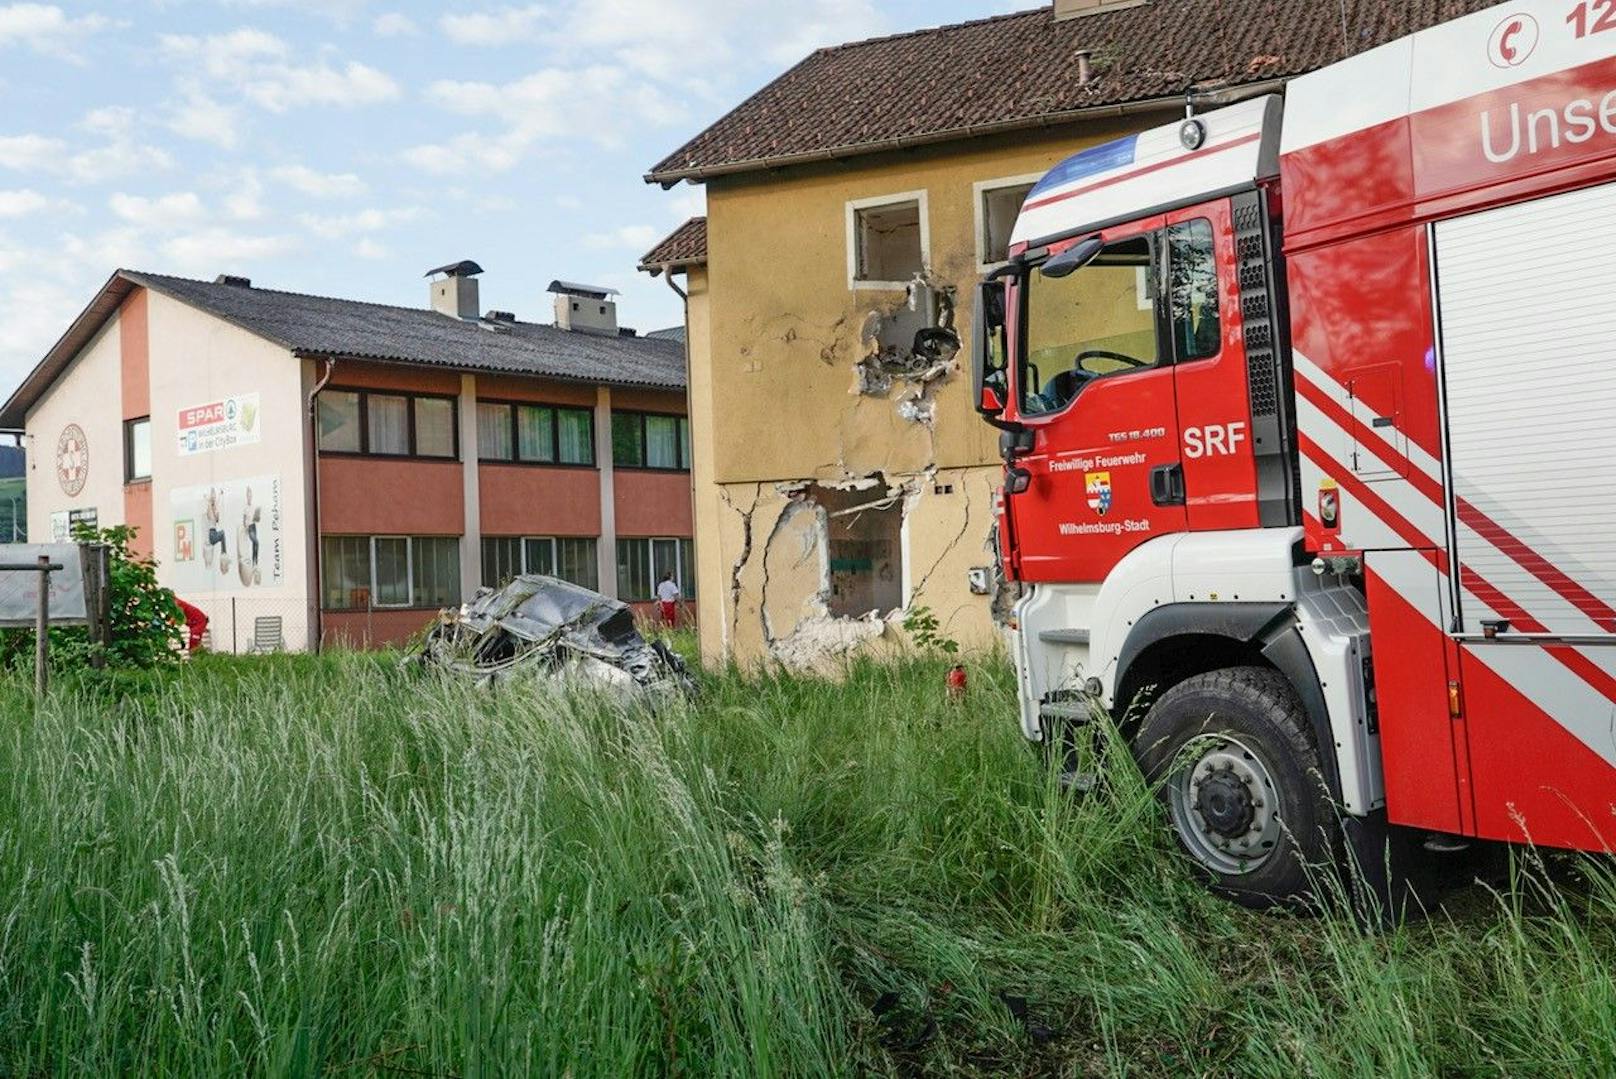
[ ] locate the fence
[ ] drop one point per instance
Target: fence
(57, 584)
(244, 625)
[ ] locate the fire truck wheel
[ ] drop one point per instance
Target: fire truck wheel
(1240, 777)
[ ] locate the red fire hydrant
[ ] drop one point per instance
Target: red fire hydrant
(956, 683)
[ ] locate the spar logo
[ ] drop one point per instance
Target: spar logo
(1514, 41)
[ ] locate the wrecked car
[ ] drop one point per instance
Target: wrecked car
(559, 630)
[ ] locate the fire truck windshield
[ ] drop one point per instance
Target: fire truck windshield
(1096, 322)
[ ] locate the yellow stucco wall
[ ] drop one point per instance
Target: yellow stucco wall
(776, 334)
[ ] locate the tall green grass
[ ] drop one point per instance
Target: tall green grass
(329, 866)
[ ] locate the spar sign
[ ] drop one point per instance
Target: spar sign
(220, 425)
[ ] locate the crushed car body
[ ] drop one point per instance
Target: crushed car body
(560, 630)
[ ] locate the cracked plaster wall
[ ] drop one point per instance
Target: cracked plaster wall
(779, 403)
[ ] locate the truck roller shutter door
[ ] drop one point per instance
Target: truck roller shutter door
(1528, 331)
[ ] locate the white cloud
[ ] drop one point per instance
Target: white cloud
(394, 24)
(544, 105)
(284, 87)
(47, 29)
(164, 212)
(338, 226)
(321, 185)
(212, 249)
(370, 249)
(32, 153)
(688, 201)
(505, 26)
(633, 237)
(261, 67)
(244, 202)
(205, 119)
(22, 203)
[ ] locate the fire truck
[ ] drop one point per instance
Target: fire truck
(1308, 409)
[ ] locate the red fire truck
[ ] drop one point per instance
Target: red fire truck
(1308, 408)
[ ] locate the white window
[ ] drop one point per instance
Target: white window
(888, 241)
(998, 204)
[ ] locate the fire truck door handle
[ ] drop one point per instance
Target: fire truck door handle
(1167, 485)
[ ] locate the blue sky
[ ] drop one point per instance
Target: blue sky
(344, 147)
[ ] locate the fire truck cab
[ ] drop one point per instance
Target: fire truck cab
(1308, 408)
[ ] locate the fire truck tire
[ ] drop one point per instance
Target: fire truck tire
(1239, 774)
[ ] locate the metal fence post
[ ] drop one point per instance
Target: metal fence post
(235, 622)
(41, 629)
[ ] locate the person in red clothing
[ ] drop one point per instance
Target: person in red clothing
(667, 594)
(196, 624)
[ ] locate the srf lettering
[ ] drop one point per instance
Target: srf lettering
(1217, 440)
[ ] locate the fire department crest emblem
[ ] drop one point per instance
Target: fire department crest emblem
(72, 459)
(1098, 486)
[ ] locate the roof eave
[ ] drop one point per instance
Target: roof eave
(1229, 95)
(466, 369)
(670, 266)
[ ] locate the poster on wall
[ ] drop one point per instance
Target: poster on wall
(219, 425)
(65, 522)
(227, 536)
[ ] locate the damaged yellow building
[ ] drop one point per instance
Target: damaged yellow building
(841, 475)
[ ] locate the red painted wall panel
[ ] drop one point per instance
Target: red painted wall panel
(137, 512)
(381, 376)
(506, 388)
(530, 500)
(374, 496)
(371, 629)
(625, 399)
(134, 349)
(653, 503)
(134, 355)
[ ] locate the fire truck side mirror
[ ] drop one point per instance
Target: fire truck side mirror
(989, 352)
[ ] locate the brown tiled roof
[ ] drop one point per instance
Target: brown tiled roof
(1019, 71)
(686, 246)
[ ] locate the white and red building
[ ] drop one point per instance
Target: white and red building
(313, 469)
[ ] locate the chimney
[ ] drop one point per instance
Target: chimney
(454, 290)
(585, 308)
(1077, 9)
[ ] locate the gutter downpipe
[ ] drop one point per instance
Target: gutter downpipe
(684, 299)
(314, 488)
(1206, 99)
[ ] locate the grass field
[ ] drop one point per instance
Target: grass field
(329, 866)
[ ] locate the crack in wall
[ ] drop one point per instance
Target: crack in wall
(920, 589)
(734, 620)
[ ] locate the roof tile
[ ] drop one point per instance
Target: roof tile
(1020, 70)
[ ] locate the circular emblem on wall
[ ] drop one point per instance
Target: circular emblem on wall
(72, 459)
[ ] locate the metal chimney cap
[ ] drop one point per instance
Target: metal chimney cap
(464, 268)
(572, 288)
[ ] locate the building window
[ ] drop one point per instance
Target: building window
(645, 440)
(494, 432)
(364, 572)
(435, 427)
(341, 430)
(864, 546)
(570, 558)
(387, 424)
(887, 240)
(137, 450)
(388, 418)
(643, 563)
(543, 434)
(435, 571)
(998, 204)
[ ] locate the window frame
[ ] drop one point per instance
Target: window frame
(856, 206)
(372, 582)
(681, 545)
(524, 569)
(364, 394)
(129, 475)
(642, 416)
(556, 410)
(979, 193)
